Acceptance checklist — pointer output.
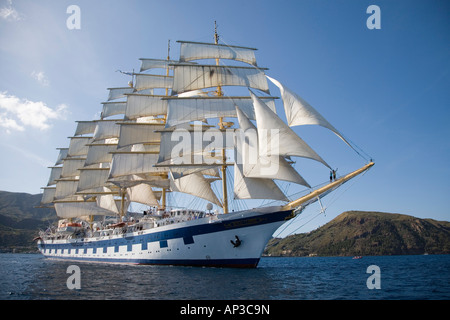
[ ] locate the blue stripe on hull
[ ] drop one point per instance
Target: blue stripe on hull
(228, 263)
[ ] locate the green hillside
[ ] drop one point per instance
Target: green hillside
(20, 221)
(367, 233)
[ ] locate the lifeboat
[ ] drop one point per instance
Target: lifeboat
(69, 227)
(118, 225)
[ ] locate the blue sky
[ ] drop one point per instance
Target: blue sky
(387, 90)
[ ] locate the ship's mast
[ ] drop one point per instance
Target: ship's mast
(122, 203)
(164, 191)
(167, 69)
(222, 127)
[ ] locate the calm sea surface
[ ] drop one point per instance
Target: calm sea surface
(30, 276)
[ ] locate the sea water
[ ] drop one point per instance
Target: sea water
(33, 277)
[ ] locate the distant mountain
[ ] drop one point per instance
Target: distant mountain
(22, 206)
(20, 220)
(356, 233)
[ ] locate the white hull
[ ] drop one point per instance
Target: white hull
(202, 242)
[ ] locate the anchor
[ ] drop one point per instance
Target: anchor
(236, 243)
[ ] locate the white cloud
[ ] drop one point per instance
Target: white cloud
(9, 13)
(17, 113)
(9, 124)
(41, 78)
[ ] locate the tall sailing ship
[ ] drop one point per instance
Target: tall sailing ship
(172, 135)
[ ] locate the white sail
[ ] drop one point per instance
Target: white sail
(80, 209)
(78, 146)
(252, 188)
(61, 156)
(143, 105)
(180, 171)
(65, 189)
(299, 112)
(48, 195)
(142, 193)
(256, 166)
(117, 93)
(150, 81)
(55, 174)
(106, 129)
(182, 110)
(113, 108)
(91, 178)
(196, 185)
(107, 201)
(198, 50)
(71, 167)
(188, 77)
(276, 138)
(147, 64)
(186, 146)
(193, 94)
(137, 133)
(127, 163)
(152, 147)
(100, 153)
(85, 127)
(127, 181)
